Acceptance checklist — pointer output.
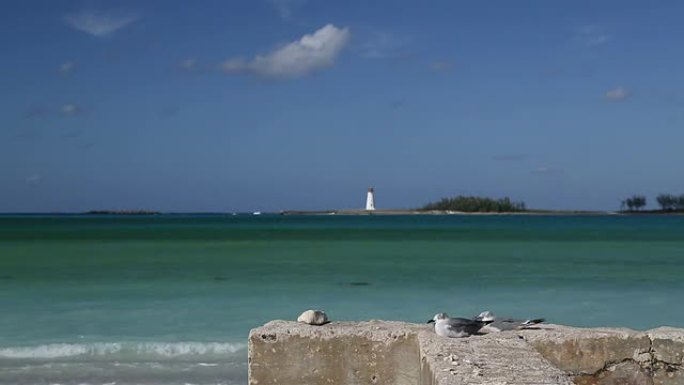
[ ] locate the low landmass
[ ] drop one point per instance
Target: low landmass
(474, 204)
(122, 212)
(441, 212)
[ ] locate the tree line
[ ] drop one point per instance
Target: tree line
(667, 202)
(473, 204)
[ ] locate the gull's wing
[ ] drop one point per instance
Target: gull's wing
(513, 324)
(464, 325)
(459, 322)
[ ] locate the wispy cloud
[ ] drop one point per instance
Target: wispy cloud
(382, 45)
(599, 40)
(548, 171)
(286, 8)
(66, 67)
(617, 94)
(510, 157)
(592, 36)
(100, 23)
(33, 179)
(302, 57)
(188, 64)
(71, 110)
(441, 65)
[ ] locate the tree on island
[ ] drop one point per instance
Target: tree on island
(472, 204)
(635, 202)
(669, 202)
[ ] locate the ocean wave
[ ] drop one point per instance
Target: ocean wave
(124, 351)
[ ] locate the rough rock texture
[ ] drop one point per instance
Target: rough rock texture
(377, 352)
(497, 359)
(628, 372)
(381, 352)
(668, 345)
(586, 351)
(313, 317)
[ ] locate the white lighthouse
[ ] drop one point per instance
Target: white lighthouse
(370, 200)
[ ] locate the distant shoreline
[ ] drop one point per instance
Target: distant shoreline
(122, 212)
(360, 212)
(478, 213)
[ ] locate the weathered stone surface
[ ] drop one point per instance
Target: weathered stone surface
(284, 352)
(586, 351)
(625, 373)
(668, 376)
(496, 359)
(380, 352)
(313, 317)
(668, 345)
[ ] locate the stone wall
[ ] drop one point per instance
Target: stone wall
(338, 353)
(614, 356)
(383, 352)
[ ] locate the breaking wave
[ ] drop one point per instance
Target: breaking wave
(124, 351)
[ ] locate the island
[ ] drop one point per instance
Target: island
(122, 212)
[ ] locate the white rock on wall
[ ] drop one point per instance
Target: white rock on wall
(313, 317)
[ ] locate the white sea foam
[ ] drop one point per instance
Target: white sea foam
(132, 351)
(59, 350)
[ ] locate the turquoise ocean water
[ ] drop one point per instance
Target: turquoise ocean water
(170, 299)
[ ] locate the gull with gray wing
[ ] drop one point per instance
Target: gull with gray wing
(499, 324)
(456, 327)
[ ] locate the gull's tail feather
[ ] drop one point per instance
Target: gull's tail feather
(531, 322)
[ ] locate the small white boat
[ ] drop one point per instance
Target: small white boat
(256, 213)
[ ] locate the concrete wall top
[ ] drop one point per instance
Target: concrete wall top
(399, 353)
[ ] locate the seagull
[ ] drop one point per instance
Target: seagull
(456, 327)
(504, 324)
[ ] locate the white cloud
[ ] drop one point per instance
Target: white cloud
(70, 110)
(617, 94)
(592, 36)
(382, 45)
(100, 24)
(66, 67)
(441, 65)
(286, 8)
(188, 64)
(598, 40)
(309, 54)
(511, 157)
(236, 64)
(548, 171)
(32, 179)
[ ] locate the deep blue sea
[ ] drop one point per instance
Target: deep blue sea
(170, 299)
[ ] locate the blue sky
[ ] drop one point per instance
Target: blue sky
(302, 104)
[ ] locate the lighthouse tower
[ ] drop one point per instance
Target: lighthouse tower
(370, 200)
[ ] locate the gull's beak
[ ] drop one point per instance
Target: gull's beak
(430, 321)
